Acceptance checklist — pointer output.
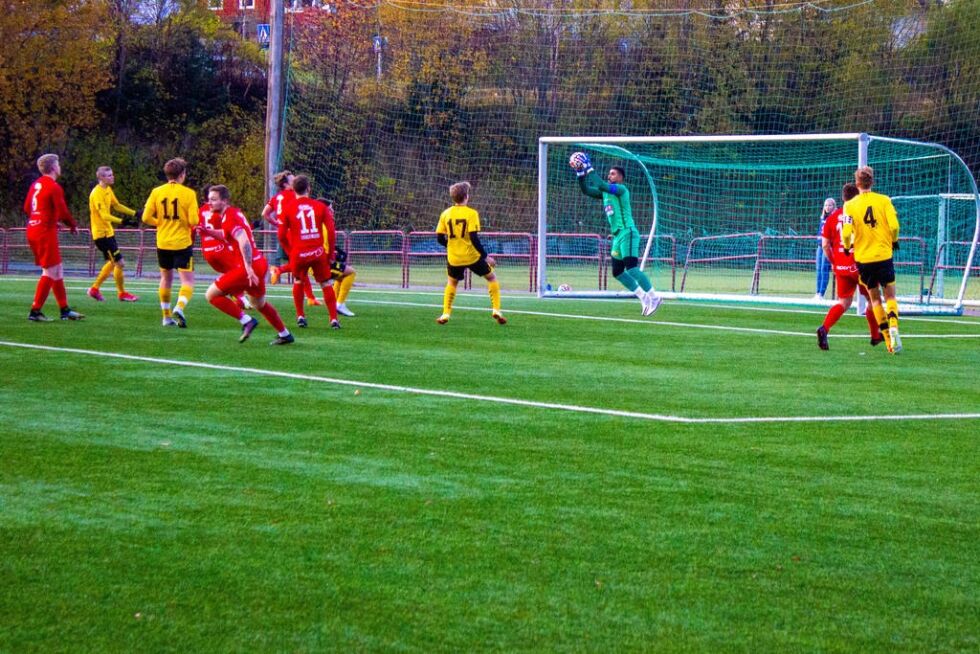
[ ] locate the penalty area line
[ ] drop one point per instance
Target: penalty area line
(570, 408)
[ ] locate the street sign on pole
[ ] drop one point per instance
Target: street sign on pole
(262, 34)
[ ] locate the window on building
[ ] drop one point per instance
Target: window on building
(246, 4)
(216, 4)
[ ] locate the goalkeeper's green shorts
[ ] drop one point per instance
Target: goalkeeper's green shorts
(626, 244)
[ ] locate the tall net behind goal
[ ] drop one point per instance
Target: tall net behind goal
(737, 217)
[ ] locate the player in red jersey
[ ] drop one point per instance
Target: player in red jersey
(45, 207)
(312, 237)
(217, 252)
(248, 275)
(273, 213)
(846, 274)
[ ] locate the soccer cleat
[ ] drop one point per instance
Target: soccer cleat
(334, 324)
(95, 294)
(499, 317)
(36, 316)
(301, 322)
(822, 338)
(877, 339)
(313, 302)
(180, 319)
(344, 311)
(651, 302)
(128, 297)
(68, 314)
(283, 340)
(169, 322)
(896, 340)
(275, 274)
(443, 319)
(247, 330)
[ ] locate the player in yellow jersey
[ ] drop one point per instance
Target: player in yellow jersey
(458, 231)
(341, 272)
(870, 227)
(101, 203)
(172, 208)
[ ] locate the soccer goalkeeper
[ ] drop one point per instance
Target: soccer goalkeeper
(625, 250)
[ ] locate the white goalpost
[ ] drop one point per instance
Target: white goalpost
(735, 218)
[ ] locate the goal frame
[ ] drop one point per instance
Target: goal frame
(861, 141)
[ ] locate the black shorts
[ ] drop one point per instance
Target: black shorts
(877, 273)
(480, 267)
(179, 259)
(337, 269)
(109, 248)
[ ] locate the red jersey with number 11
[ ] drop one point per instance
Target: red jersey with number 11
(311, 228)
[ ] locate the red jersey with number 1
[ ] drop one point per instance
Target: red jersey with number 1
(843, 262)
(45, 206)
(231, 221)
(311, 229)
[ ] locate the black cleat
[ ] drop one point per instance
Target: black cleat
(37, 316)
(875, 341)
(335, 324)
(283, 340)
(301, 322)
(247, 330)
(822, 338)
(68, 314)
(180, 319)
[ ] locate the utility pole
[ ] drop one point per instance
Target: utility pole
(274, 108)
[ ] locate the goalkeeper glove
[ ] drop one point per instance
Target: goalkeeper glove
(895, 246)
(584, 164)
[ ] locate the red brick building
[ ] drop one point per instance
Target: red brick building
(246, 14)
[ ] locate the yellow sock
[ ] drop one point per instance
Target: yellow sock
(345, 285)
(494, 289)
(103, 274)
(184, 296)
(117, 276)
(892, 306)
(165, 302)
(879, 312)
(447, 299)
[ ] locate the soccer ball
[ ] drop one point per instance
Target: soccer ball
(575, 161)
(564, 288)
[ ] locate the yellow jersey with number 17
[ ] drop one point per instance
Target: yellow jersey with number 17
(457, 223)
(173, 209)
(869, 225)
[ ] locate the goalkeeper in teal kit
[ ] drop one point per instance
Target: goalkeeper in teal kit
(625, 248)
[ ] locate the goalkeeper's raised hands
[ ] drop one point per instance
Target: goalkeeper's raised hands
(580, 163)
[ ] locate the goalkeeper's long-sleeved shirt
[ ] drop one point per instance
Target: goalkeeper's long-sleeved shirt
(101, 203)
(615, 201)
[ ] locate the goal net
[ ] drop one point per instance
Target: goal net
(737, 217)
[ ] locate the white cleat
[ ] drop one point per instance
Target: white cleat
(896, 340)
(651, 302)
(344, 311)
(818, 296)
(169, 322)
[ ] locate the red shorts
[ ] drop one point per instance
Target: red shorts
(316, 261)
(223, 260)
(235, 281)
(847, 282)
(44, 245)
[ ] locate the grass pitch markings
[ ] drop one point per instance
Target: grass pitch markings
(570, 408)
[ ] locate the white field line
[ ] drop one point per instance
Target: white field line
(571, 408)
(637, 321)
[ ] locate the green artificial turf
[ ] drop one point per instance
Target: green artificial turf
(154, 507)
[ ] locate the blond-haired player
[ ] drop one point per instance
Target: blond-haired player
(870, 227)
(101, 203)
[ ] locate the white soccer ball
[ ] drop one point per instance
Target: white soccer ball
(564, 288)
(575, 161)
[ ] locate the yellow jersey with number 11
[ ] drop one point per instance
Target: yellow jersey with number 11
(173, 209)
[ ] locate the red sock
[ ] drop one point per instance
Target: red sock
(60, 294)
(308, 288)
(272, 316)
(833, 316)
(225, 305)
(41, 294)
(331, 299)
(298, 299)
(286, 268)
(872, 323)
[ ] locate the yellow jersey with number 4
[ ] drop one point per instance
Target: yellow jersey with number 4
(457, 223)
(173, 209)
(869, 225)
